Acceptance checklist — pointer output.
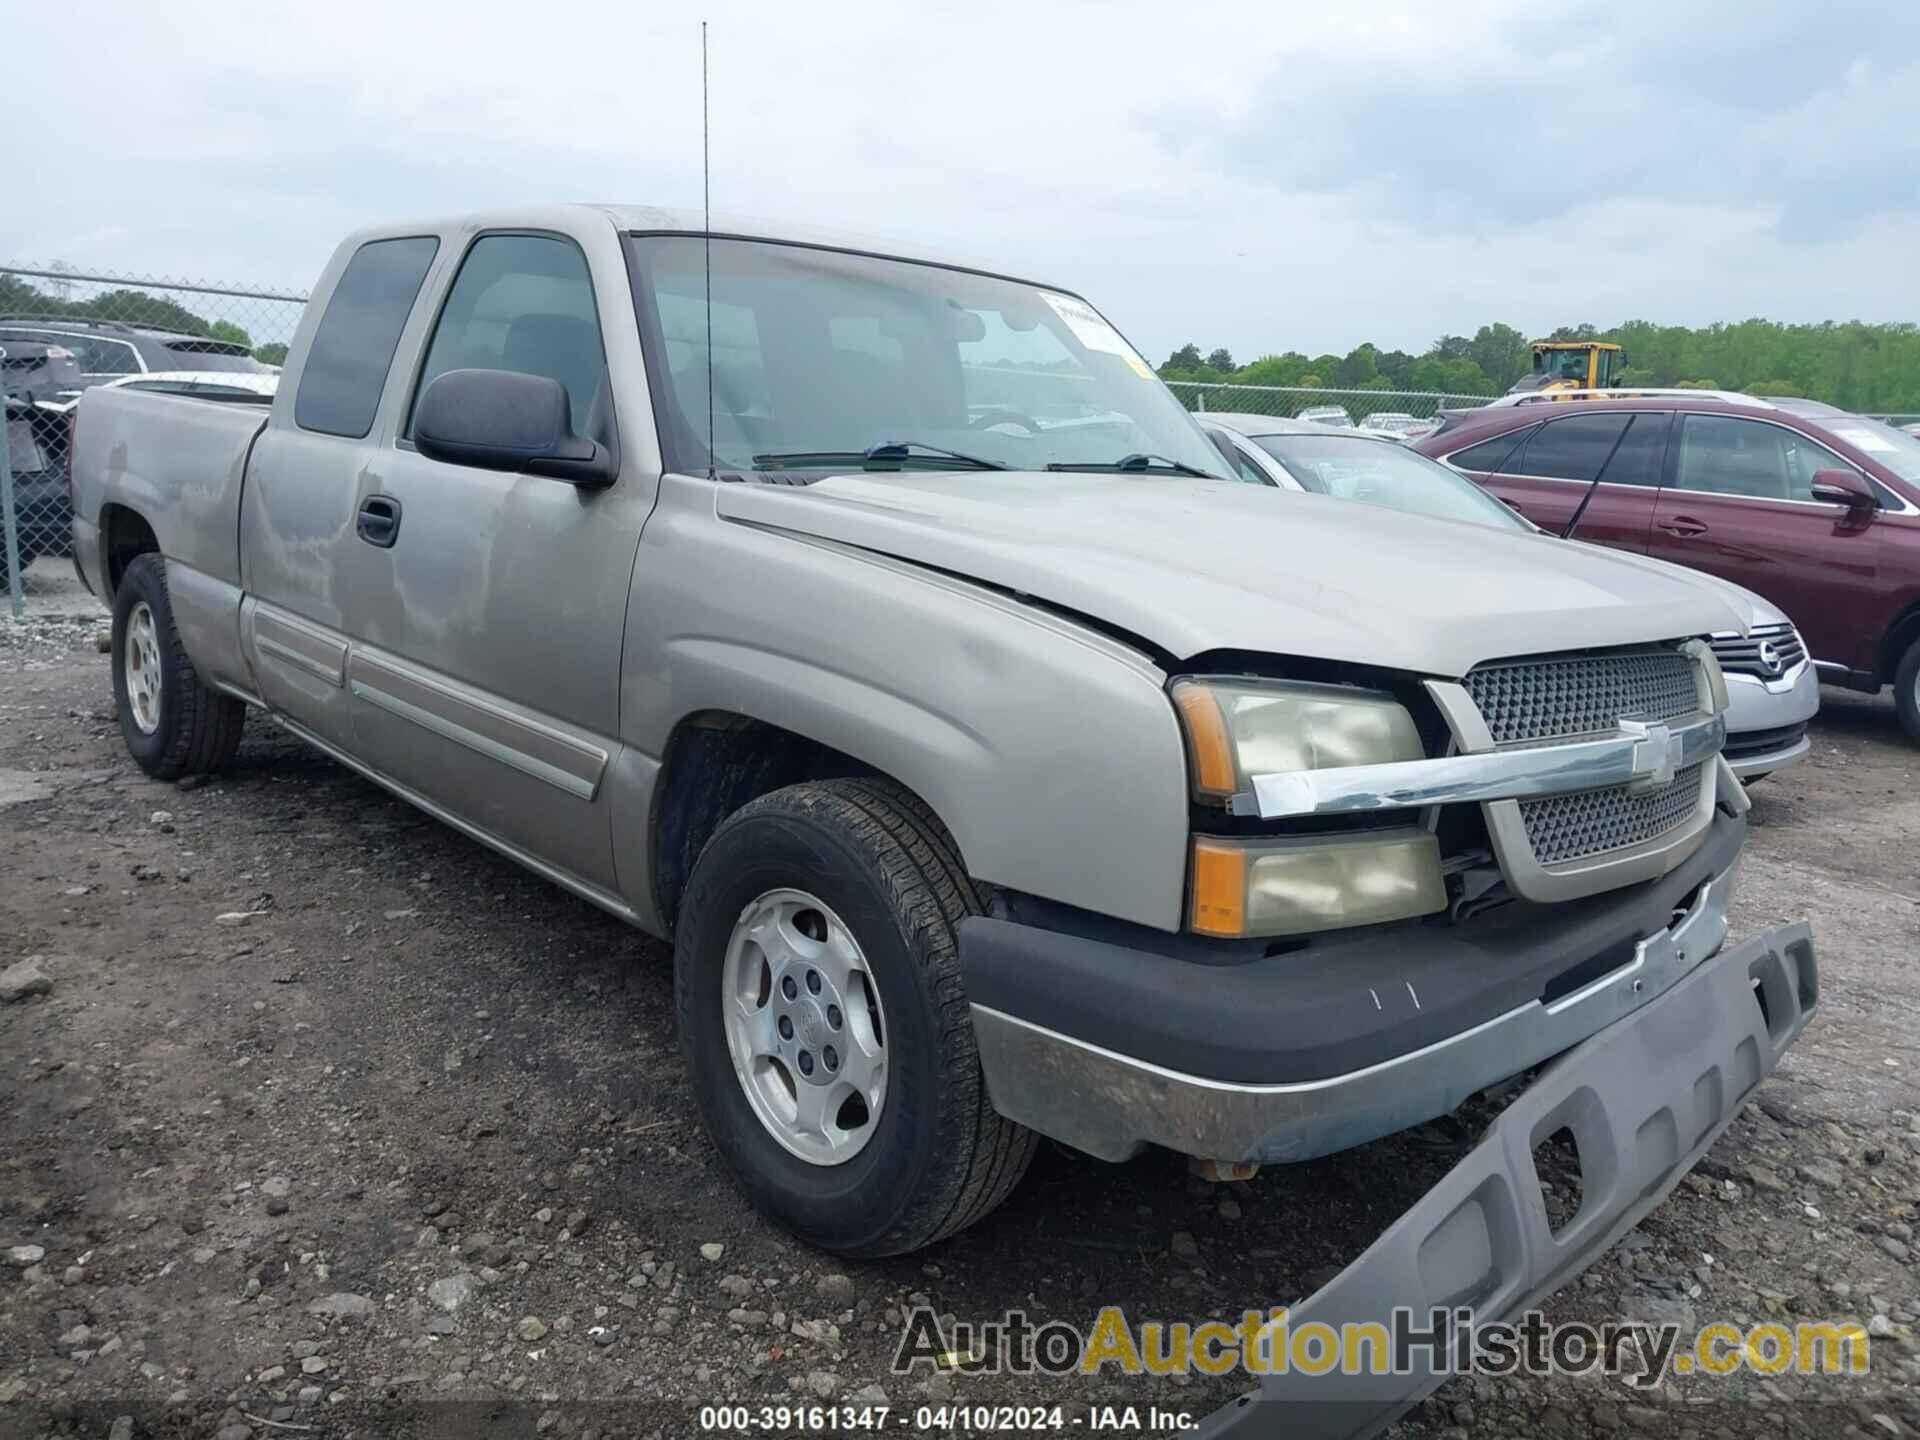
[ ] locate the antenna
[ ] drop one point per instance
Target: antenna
(706, 227)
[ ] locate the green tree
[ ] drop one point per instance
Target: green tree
(227, 330)
(273, 354)
(1502, 353)
(1360, 367)
(1221, 360)
(1852, 364)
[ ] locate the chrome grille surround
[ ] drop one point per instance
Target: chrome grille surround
(1560, 847)
(1747, 654)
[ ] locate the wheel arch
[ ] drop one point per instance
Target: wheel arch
(125, 534)
(717, 761)
(1901, 634)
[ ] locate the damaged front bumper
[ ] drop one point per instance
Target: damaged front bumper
(1643, 1098)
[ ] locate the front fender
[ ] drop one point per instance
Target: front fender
(1050, 752)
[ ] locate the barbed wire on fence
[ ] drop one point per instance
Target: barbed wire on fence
(64, 331)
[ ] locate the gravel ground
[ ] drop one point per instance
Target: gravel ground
(332, 1122)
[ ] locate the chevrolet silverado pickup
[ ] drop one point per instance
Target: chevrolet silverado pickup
(885, 635)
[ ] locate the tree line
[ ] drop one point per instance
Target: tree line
(130, 307)
(1851, 364)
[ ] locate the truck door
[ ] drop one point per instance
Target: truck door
(487, 608)
(1737, 503)
(303, 481)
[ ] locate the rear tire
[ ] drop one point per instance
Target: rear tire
(936, 1156)
(173, 724)
(1906, 692)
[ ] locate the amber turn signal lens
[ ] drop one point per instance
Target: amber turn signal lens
(1209, 746)
(1219, 888)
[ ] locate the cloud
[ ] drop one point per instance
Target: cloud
(1531, 113)
(1266, 177)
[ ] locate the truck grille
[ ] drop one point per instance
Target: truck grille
(1742, 654)
(1558, 697)
(1563, 695)
(1573, 827)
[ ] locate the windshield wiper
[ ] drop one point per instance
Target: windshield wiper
(1136, 463)
(886, 454)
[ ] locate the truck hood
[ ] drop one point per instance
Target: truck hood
(1196, 565)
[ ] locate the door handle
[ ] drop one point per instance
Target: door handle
(1683, 525)
(378, 522)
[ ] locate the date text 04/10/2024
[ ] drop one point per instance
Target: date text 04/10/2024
(954, 1418)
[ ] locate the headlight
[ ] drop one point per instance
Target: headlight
(1237, 729)
(1292, 885)
(1299, 885)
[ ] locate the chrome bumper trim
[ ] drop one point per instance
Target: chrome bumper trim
(1635, 754)
(1112, 1105)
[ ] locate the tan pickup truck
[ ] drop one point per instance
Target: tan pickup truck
(883, 633)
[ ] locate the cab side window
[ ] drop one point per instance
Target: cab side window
(523, 303)
(1725, 455)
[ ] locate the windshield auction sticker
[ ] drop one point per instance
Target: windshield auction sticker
(1090, 328)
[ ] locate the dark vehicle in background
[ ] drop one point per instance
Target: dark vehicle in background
(40, 380)
(1819, 513)
(106, 349)
(51, 360)
(38, 370)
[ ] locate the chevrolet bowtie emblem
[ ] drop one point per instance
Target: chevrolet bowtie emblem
(1657, 753)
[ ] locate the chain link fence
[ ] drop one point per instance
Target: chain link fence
(64, 331)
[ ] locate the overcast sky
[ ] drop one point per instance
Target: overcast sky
(1259, 175)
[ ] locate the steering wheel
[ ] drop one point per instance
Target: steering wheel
(1002, 417)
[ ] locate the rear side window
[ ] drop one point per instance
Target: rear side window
(1571, 449)
(1639, 457)
(1490, 457)
(353, 347)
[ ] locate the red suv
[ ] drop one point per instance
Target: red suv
(1817, 510)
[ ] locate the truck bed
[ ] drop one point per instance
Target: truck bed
(177, 460)
(177, 465)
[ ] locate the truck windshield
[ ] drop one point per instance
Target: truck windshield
(820, 358)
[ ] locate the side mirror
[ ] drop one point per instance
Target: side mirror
(504, 420)
(1844, 487)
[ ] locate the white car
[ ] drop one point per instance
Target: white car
(207, 384)
(1396, 424)
(1772, 688)
(1333, 415)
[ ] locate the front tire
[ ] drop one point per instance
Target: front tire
(851, 890)
(1906, 692)
(173, 724)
